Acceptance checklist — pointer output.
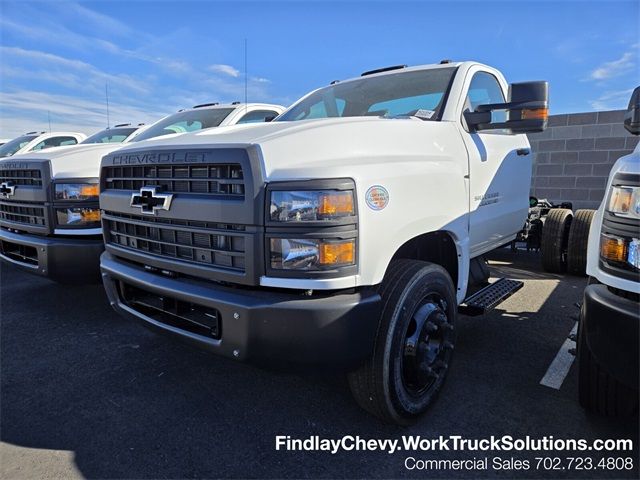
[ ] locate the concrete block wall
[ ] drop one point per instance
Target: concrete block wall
(574, 155)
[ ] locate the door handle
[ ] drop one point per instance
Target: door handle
(523, 151)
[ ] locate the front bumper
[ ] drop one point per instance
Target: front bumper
(256, 325)
(611, 325)
(65, 260)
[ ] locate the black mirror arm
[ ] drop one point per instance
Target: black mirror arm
(512, 106)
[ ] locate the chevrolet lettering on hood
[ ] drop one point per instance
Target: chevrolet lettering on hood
(168, 157)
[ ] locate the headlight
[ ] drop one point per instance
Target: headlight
(310, 205)
(625, 201)
(311, 254)
(78, 217)
(623, 251)
(77, 191)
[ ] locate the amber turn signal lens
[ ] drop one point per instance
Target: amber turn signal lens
(90, 190)
(336, 203)
(90, 215)
(535, 114)
(613, 248)
(337, 253)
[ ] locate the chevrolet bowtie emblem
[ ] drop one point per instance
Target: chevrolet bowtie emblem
(7, 189)
(150, 200)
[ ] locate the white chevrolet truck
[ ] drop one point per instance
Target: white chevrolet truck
(346, 233)
(49, 215)
(35, 141)
(608, 335)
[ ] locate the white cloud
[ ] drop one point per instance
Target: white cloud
(225, 70)
(50, 66)
(28, 110)
(615, 68)
(98, 50)
(612, 100)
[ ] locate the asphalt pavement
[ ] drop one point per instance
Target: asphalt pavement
(85, 393)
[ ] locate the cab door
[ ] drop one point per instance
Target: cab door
(499, 170)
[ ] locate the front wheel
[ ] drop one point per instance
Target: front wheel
(414, 343)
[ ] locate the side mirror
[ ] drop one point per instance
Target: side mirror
(632, 117)
(269, 118)
(527, 110)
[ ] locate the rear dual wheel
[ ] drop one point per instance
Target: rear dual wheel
(555, 240)
(414, 343)
(577, 242)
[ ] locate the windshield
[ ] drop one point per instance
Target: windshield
(189, 121)
(111, 135)
(420, 93)
(14, 145)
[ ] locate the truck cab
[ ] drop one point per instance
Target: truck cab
(49, 215)
(36, 141)
(608, 333)
(341, 234)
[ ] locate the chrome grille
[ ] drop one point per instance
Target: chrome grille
(212, 179)
(203, 243)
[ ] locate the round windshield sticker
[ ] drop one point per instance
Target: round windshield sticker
(377, 197)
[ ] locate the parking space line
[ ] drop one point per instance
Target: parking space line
(559, 368)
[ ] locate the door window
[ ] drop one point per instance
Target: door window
(258, 116)
(55, 142)
(484, 88)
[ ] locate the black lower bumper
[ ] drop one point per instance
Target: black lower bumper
(65, 260)
(256, 325)
(611, 325)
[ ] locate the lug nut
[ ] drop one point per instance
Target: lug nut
(236, 353)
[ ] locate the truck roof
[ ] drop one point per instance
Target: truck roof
(214, 105)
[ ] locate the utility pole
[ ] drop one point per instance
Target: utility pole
(246, 76)
(49, 118)
(106, 94)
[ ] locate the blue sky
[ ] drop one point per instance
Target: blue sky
(159, 56)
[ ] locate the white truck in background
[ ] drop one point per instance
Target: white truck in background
(608, 333)
(49, 215)
(348, 232)
(36, 141)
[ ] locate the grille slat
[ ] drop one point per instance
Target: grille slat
(28, 177)
(27, 215)
(216, 179)
(217, 245)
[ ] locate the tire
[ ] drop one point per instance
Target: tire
(413, 346)
(599, 392)
(577, 243)
(555, 238)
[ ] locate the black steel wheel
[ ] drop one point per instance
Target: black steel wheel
(414, 344)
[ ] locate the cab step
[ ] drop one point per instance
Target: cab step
(485, 300)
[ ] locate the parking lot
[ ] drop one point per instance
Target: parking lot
(86, 393)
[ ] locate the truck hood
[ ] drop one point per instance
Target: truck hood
(73, 161)
(295, 149)
(627, 164)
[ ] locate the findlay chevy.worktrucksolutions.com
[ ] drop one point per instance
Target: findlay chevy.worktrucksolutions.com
(456, 443)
